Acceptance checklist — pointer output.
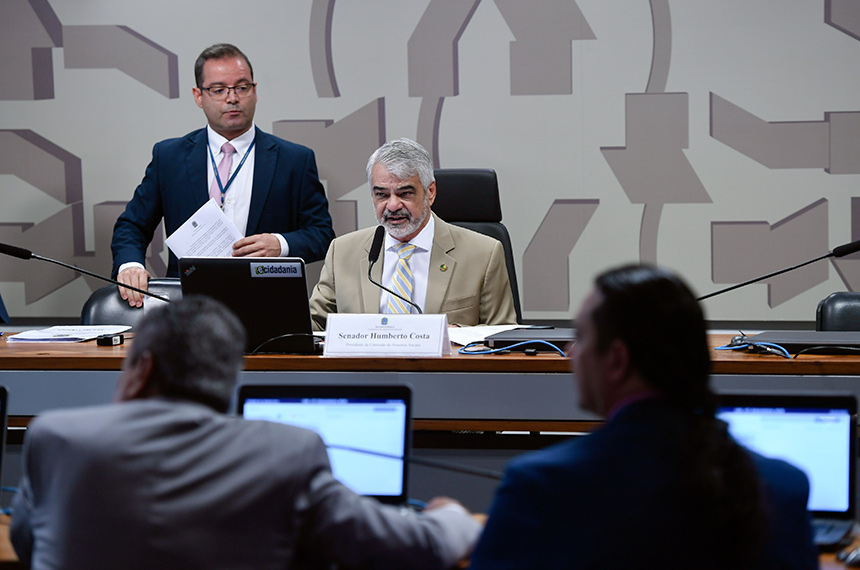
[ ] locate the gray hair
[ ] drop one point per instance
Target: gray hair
(196, 345)
(404, 158)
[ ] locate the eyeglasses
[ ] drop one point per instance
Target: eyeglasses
(219, 92)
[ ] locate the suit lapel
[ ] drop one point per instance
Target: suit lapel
(439, 279)
(370, 292)
(265, 159)
(195, 162)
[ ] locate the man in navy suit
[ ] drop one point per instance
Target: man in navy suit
(661, 484)
(270, 188)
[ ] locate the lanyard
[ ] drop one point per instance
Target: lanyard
(235, 172)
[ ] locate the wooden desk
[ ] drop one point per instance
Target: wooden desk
(453, 388)
(512, 391)
(471, 392)
(88, 356)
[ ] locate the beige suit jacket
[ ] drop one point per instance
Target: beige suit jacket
(468, 278)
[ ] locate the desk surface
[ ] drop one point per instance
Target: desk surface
(8, 559)
(88, 356)
(56, 358)
(498, 387)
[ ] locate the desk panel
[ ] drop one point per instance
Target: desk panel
(489, 393)
(511, 387)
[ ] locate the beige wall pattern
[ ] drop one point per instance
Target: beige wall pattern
(718, 138)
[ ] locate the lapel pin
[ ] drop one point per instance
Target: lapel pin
(443, 267)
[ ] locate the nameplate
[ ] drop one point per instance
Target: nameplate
(386, 335)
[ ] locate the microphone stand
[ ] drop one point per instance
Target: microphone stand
(26, 254)
(763, 277)
(839, 251)
(97, 276)
(372, 261)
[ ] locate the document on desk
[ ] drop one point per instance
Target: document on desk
(208, 233)
(468, 335)
(75, 333)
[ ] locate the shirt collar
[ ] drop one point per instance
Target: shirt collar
(423, 241)
(240, 143)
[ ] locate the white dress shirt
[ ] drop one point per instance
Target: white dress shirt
(419, 263)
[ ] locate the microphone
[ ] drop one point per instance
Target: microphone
(22, 253)
(846, 249)
(839, 251)
(14, 251)
(444, 465)
(376, 247)
(373, 257)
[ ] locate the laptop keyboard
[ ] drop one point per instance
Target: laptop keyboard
(830, 533)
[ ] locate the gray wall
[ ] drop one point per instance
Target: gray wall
(718, 138)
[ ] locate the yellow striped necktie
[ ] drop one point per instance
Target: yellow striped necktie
(403, 281)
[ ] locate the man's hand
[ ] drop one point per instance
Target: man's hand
(438, 502)
(136, 277)
(259, 245)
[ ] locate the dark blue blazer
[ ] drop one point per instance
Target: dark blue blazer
(287, 197)
(610, 500)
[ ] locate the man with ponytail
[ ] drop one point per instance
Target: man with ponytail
(661, 484)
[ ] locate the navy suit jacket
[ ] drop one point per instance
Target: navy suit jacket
(287, 197)
(610, 500)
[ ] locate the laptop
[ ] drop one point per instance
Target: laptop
(366, 429)
(523, 338)
(269, 295)
(817, 434)
(820, 342)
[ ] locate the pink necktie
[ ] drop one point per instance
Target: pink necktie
(223, 172)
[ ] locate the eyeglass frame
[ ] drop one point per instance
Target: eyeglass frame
(228, 89)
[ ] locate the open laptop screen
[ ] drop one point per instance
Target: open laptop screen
(366, 429)
(814, 433)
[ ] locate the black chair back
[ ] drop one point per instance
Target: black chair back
(469, 198)
(106, 307)
(839, 311)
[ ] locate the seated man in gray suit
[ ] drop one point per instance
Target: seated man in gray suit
(442, 268)
(163, 479)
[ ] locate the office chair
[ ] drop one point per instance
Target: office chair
(4, 316)
(469, 198)
(839, 311)
(106, 307)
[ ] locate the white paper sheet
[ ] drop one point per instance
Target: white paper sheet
(208, 233)
(76, 333)
(467, 335)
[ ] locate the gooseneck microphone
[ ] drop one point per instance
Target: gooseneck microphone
(22, 253)
(376, 246)
(839, 251)
(15, 251)
(444, 465)
(373, 257)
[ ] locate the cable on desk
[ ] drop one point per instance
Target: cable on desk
(756, 347)
(465, 349)
(7, 510)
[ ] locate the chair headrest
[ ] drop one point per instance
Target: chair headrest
(467, 195)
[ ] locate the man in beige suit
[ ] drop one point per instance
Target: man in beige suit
(451, 270)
